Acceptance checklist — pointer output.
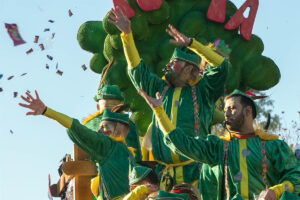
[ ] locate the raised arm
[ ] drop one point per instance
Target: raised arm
(96, 145)
(139, 73)
(208, 54)
(207, 151)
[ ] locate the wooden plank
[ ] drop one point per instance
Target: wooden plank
(80, 168)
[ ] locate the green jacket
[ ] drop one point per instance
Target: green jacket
(208, 90)
(113, 159)
(244, 162)
(132, 139)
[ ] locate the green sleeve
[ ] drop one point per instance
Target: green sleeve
(284, 162)
(97, 145)
(143, 78)
(132, 140)
(215, 78)
(207, 150)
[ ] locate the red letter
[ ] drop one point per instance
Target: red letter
(129, 12)
(246, 23)
(149, 5)
(216, 11)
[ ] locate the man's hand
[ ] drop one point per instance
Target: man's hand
(152, 102)
(120, 20)
(267, 195)
(179, 38)
(36, 105)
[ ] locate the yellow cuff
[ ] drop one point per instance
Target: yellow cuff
(206, 53)
(280, 188)
(164, 122)
(64, 120)
(137, 193)
(131, 54)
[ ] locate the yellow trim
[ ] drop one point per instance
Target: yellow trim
(131, 54)
(89, 118)
(206, 53)
(95, 186)
(164, 122)
(262, 134)
(64, 120)
(280, 188)
(193, 83)
(137, 193)
(243, 169)
(174, 111)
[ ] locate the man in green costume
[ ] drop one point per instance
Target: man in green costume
(188, 98)
(110, 153)
(252, 162)
(108, 98)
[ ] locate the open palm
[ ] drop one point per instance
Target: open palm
(152, 102)
(179, 38)
(120, 20)
(36, 106)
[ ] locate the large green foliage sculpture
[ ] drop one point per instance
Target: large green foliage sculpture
(250, 69)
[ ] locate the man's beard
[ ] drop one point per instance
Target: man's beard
(237, 123)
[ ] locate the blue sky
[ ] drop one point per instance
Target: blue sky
(37, 144)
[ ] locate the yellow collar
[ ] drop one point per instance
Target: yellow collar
(258, 132)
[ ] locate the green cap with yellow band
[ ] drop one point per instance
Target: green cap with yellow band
(109, 92)
(186, 55)
(116, 117)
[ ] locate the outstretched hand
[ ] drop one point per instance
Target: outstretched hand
(152, 102)
(120, 20)
(179, 38)
(34, 104)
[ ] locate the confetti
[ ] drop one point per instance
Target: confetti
(36, 39)
(9, 78)
(23, 74)
(28, 91)
(13, 32)
(42, 47)
(46, 29)
(1, 90)
(52, 36)
(11, 131)
(29, 51)
(59, 72)
(49, 57)
(15, 94)
(83, 67)
(47, 66)
(1, 75)
(51, 21)
(56, 67)
(70, 13)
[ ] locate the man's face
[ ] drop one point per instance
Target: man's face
(107, 127)
(114, 129)
(108, 103)
(234, 115)
(175, 67)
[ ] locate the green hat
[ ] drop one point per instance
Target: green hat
(166, 195)
(185, 54)
(238, 92)
(117, 117)
(109, 92)
(138, 173)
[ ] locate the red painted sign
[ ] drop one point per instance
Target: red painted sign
(216, 12)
